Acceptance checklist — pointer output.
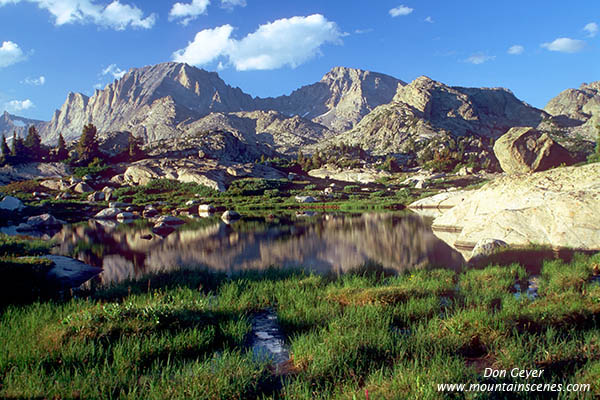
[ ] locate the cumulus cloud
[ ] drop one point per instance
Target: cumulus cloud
(206, 46)
(230, 4)
(113, 70)
(114, 15)
(479, 58)
(287, 41)
(565, 45)
(400, 11)
(187, 12)
(516, 50)
(10, 53)
(35, 81)
(429, 19)
(18, 105)
(591, 29)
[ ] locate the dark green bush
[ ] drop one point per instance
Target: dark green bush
(163, 190)
(253, 186)
(272, 193)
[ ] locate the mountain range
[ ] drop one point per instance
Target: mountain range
(10, 124)
(377, 111)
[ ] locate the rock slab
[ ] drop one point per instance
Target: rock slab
(558, 207)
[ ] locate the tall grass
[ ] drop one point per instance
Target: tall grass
(185, 335)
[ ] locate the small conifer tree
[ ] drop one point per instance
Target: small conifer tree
(33, 144)
(4, 150)
(87, 148)
(61, 149)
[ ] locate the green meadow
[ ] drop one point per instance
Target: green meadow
(365, 334)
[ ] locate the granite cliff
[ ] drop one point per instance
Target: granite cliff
(425, 108)
(171, 101)
(578, 110)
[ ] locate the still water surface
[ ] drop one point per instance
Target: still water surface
(324, 243)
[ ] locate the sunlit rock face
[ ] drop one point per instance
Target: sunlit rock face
(557, 208)
(324, 244)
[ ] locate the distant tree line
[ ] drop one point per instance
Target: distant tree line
(86, 151)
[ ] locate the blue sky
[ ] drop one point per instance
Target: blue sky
(268, 48)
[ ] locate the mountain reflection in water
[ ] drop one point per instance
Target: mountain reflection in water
(323, 243)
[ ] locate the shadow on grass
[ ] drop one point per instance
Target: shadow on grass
(531, 258)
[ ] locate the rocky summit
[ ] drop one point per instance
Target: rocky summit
(425, 108)
(577, 109)
(164, 100)
(10, 124)
(380, 113)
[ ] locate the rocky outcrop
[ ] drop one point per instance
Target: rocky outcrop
(485, 248)
(267, 131)
(108, 213)
(426, 108)
(82, 187)
(305, 199)
(230, 215)
(441, 202)
(206, 172)
(558, 207)
(577, 109)
(212, 179)
(140, 175)
(10, 203)
(339, 100)
(523, 150)
(9, 124)
(23, 172)
(149, 102)
(163, 101)
(45, 221)
(355, 175)
(68, 273)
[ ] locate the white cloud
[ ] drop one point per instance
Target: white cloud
(10, 53)
(114, 15)
(35, 81)
(118, 16)
(18, 105)
(113, 70)
(230, 4)
(363, 31)
(206, 46)
(429, 19)
(188, 12)
(591, 29)
(565, 45)
(400, 11)
(516, 50)
(288, 41)
(479, 58)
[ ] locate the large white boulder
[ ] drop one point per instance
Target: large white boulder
(558, 207)
(108, 213)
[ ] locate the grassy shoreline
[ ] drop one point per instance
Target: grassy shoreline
(183, 335)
